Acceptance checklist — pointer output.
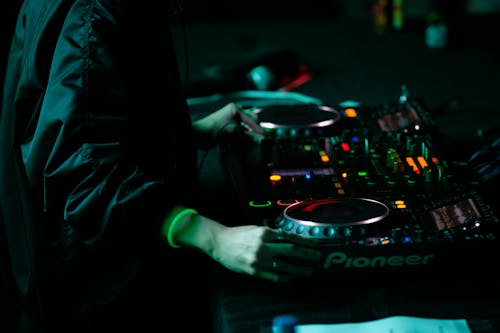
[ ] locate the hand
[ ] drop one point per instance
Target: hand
(226, 125)
(263, 252)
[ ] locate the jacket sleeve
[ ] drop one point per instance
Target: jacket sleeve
(104, 158)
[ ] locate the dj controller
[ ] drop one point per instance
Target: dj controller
(368, 186)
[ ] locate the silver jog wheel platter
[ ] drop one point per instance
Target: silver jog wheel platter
(332, 218)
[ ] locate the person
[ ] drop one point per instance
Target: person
(99, 175)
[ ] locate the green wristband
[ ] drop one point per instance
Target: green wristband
(175, 220)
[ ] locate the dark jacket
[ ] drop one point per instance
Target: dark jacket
(95, 147)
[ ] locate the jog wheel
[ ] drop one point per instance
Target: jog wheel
(332, 218)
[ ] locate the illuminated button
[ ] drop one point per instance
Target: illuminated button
(286, 202)
(411, 163)
(300, 229)
(275, 178)
(351, 113)
(330, 232)
(259, 204)
(289, 226)
(315, 231)
(423, 163)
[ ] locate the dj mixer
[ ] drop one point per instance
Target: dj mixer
(368, 186)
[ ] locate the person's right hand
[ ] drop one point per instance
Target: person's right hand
(226, 125)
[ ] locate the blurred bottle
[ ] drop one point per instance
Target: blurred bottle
(380, 15)
(397, 15)
(436, 31)
(448, 23)
(387, 15)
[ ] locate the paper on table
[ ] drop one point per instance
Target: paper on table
(395, 324)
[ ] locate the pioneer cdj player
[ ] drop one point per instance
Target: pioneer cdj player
(368, 186)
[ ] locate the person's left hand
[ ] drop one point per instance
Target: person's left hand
(226, 125)
(264, 252)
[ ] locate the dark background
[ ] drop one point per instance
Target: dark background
(459, 83)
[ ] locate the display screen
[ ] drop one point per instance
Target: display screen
(399, 120)
(454, 215)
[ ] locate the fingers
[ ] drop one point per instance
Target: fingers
(297, 252)
(233, 121)
(266, 253)
(279, 235)
(292, 269)
(282, 259)
(274, 277)
(250, 124)
(290, 259)
(254, 136)
(280, 270)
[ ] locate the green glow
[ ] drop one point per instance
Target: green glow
(259, 205)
